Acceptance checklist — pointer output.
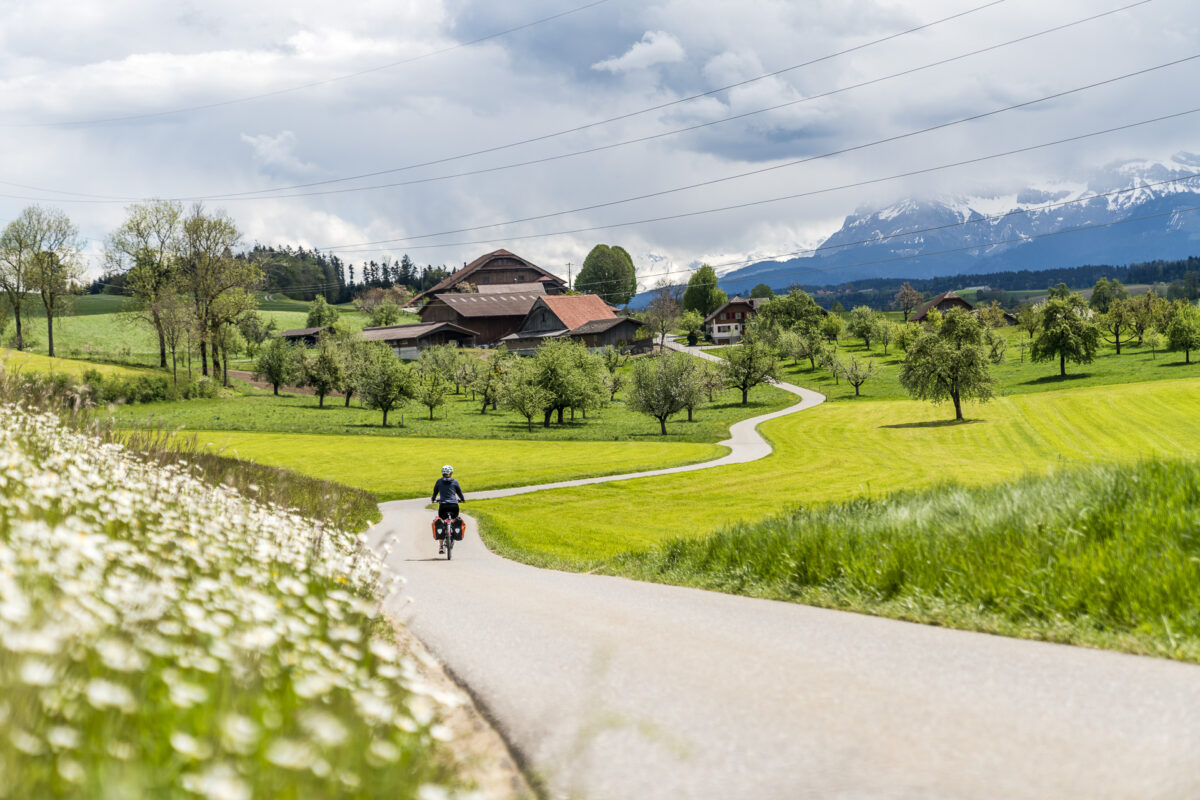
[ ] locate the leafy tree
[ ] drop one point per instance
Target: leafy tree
(908, 299)
(796, 309)
(608, 272)
(176, 321)
(1105, 293)
(255, 330)
(830, 362)
(702, 294)
(949, 364)
(991, 315)
(906, 334)
(209, 271)
(323, 373)
(1183, 331)
(864, 322)
(1118, 320)
(1028, 319)
(554, 369)
(1155, 341)
(659, 386)
(55, 270)
(279, 364)
(490, 378)
(321, 314)
(790, 344)
(431, 390)
(749, 365)
(354, 355)
(710, 378)
(588, 388)
(38, 255)
(613, 384)
(831, 327)
(762, 290)
(385, 313)
(691, 322)
(885, 333)
(384, 381)
(612, 358)
(1059, 291)
(521, 392)
(837, 308)
(1147, 311)
(1066, 332)
(858, 373)
(1186, 289)
(147, 248)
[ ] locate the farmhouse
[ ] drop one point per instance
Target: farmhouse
(407, 341)
(498, 268)
(585, 317)
(943, 303)
(727, 323)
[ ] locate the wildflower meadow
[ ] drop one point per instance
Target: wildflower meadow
(164, 636)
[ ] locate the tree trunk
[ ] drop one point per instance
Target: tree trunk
(50, 331)
(348, 394)
(17, 316)
(546, 422)
(162, 341)
(225, 368)
(204, 360)
(431, 413)
(529, 423)
(1118, 338)
(174, 368)
(745, 395)
(560, 416)
(275, 386)
(957, 406)
(856, 390)
(662, 423)
(385, 417)
(321, 400)
(689, 413)
(1062, 365)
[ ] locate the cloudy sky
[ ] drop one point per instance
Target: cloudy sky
(265, 108)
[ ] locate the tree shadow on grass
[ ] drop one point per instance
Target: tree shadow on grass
(1074, 376)
(1180, 364)
(934, 423)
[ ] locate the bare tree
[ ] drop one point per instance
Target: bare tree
(907, 299)
(664, 311)
(146, 247)
(38, 253)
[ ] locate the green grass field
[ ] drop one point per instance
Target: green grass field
(1106, 556)
(838, 451)
(32, 362)
(392, 468)
(1016, 375)
(459, 418)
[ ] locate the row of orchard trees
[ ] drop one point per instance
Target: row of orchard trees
(39, 256)
(188, 286)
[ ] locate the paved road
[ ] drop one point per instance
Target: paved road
(611, 688)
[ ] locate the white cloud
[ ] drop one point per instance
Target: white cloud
(656, 47)
(277, 152)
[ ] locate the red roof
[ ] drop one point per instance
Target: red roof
(576, 309)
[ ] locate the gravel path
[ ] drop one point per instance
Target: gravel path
(610, 688)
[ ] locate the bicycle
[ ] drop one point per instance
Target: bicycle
(449, 530)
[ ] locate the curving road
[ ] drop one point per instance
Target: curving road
(610, 688)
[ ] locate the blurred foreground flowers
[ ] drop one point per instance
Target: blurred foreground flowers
(161, 636)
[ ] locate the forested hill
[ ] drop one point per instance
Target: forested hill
(299, 273)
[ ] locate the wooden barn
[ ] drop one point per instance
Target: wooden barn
(583, 316)
(490, 317)
(497, 268)
(943, 303)
(407, 341)
(305, 336)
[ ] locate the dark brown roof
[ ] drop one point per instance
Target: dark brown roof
(753, 302)
(490, 305)
(920, 313)
(575, 309)
(398, 333)
(453, 280)
(297, 333)
(602, 325)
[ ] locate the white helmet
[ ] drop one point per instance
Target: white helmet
(447, 470)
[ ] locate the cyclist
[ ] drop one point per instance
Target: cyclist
(447, 494)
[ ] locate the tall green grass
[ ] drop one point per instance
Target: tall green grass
(1103, 555)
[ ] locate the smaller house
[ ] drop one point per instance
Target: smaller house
(305, 336)
(407, 341)
(943, 303)
(585, 317)
(727, 324)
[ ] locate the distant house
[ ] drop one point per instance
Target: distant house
(585, 317)
(498, 268)
(407, 341)
(489, 316)
(943, 303)
(727, 324)
(305, 336)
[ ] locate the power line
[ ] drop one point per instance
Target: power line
(263, 193)
(301, 87)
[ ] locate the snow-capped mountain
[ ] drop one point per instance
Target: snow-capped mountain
(1128, 211)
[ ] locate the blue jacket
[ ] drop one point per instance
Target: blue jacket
(447, 490)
